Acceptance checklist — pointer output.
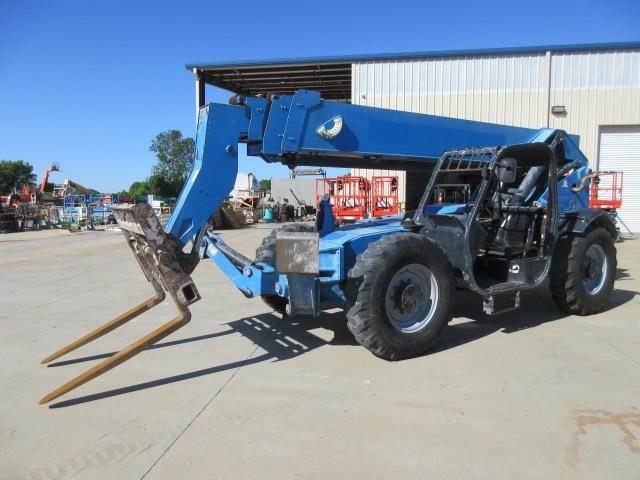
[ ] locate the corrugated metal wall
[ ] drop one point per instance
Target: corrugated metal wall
(597, 89)
(515, 89)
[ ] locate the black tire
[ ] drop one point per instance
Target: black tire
(568, 273)
(369, 280)
(266, 253)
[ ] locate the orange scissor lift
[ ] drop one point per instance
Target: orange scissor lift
(384, 196)
(605, 191)
(353, 197)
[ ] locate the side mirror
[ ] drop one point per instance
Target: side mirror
(506, 170)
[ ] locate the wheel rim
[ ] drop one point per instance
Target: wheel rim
(594, 269)
(411, 298)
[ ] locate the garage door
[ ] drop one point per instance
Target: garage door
(620, 150)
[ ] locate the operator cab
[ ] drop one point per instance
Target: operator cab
(499, 201)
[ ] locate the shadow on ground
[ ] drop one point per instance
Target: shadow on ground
(282, 339)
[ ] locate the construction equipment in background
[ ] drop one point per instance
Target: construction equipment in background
(227, 216)
(522, 226)
(234, 217)
(83, 207)
(69, 205)
(303, 211)
(44, 183)
(33, 208)
(249, 203)
(71, 186)
(32, 193)
(605, 190)
(308, 172)
(298, 201)
(40, 193)
(246, 184)
(605, 193)
(8, 222)
(292, 199)
(349, 196)
(354, 198)
(384, 196)
(79, 210)
(246, 197)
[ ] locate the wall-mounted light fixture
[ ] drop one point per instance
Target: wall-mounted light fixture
(559, 110)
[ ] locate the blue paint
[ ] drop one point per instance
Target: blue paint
(285, 129)
(325, 221)
(289, 126)
(375, 131)
(252, 281)
(214, 170)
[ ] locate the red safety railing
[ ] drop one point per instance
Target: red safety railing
(384, 196)
(349, 196)
(605, 191)
(352, 198)
(326, 186)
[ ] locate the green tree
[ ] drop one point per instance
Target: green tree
(265, 185)
(139, 189)
(174, 159)
(158, 185)
(14, 174)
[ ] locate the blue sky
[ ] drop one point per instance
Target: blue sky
(88, 84)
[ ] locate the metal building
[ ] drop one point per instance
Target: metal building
(589, 90)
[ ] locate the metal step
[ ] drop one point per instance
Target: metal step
(497, 304)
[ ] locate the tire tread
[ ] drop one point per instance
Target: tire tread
(361, 279)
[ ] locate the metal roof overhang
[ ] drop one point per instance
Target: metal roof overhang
(331, 79)
(331, 76)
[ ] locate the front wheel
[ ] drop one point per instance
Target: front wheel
(401, 287)
(583, 272)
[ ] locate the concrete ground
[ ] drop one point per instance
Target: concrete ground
(239, 393)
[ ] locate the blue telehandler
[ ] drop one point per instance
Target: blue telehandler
(504, 209)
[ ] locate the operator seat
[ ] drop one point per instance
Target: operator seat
(517, 211)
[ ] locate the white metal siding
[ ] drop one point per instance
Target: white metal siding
(597, 88)
(620, 150)
(508, 89)
(500, 89)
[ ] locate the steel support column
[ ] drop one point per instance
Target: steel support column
(200, 94)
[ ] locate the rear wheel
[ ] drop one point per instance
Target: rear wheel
(400, 290)
(583, 272)
(266, 253)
